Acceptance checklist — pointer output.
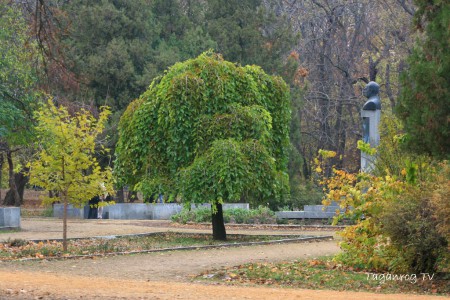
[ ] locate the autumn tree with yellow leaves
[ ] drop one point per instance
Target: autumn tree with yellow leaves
(66, 162)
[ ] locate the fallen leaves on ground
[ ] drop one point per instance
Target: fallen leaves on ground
(322, 274)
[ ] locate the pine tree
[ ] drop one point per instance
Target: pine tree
(425, 99)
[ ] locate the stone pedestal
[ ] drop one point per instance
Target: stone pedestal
(9, 217)
(371, 116)
(371, 135)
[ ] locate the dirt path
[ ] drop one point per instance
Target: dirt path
(174, 265)
(165, 275)
(49, 228)
(49, 286)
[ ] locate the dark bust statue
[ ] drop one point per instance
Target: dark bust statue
(371, 92)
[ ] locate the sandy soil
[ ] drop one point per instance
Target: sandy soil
(49, 228)
(167, 275)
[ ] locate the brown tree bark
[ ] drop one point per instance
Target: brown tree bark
(20, 181)
(17, 182)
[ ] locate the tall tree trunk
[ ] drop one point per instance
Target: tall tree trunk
(218, 225)
(1, 174)
(340, 133)
(12, 197)
(65, 200)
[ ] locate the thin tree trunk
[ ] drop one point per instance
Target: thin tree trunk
(65, 224)
(218, 224)
(340, 136)
(388, 86)
(64, 198)
(1, 174)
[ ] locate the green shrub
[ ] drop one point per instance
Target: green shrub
(397, 225)
(261, 215)
(48, 211)
(184, 216)
(409, 221)
(202, 215)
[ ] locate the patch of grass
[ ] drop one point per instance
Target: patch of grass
(17, 249)
(323, 273)
(7, 230)
(37, 212)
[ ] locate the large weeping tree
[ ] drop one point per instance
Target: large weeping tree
(208, 131)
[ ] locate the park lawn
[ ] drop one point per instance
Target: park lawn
(23, 249)
(323, 273)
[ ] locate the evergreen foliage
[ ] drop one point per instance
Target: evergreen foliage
(425, 100)
(110, 45)
(118, 47)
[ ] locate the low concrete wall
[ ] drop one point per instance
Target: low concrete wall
(141, 211)
(310, 212)
(153, 211)
(72, 212)
(321, 208)
(9, 217)
(136, 211)
(224, 206)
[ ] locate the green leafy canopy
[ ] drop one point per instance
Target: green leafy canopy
(208, 131)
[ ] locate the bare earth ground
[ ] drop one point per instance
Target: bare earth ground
(166, 275)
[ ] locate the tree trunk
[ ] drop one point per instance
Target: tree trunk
(20, 182)
(1, 174)
(16, 181)
(65, 224)
(218, 225)
(132, 196)
(65, 201)
(120, 195)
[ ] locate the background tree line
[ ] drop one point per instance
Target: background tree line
(104, 52)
